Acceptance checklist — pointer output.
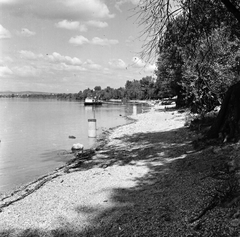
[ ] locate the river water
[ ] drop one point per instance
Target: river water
(34, 135)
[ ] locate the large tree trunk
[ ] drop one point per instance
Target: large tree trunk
(227, 121)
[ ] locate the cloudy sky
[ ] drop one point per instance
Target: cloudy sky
(69, 45)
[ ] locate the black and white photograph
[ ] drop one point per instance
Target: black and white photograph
(119, 118)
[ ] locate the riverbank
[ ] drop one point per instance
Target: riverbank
(37, 141)
(144, 179)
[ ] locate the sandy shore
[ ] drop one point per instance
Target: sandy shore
(140, 182)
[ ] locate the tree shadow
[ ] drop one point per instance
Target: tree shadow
(158, 146)
(161, 202)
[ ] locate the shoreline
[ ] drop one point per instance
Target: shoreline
(24, 190)
(38, 152)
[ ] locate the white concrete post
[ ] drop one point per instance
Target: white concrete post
(134, 110)
(92, 127)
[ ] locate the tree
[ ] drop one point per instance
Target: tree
(147, 87)
(97, 88)
(156, 15)
(79, 95)
(133, 90)
(170, 62)
(227, 121)
(209, 71)
(120, 93)
(86, 93)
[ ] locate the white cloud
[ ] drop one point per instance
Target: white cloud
(150, 68)
(139, 63)
(26, 71)
(98, 24)
(83, 28)
(107, 71)
(6, 59)
(26, 32)
(93, 8)
(78, 40)
(119, 3)
(5, 71)
(66, 67)
(81, 40)
(71, 25)
(135, 2)
(103, 42)
(4, 33)
(29, 54)
(117, 63)
(61, 9)
(52, 62)
(129, 40)
(91, 65)
(54, 57)
(75, 25)
(7, 1)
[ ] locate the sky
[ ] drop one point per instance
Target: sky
(65, 46)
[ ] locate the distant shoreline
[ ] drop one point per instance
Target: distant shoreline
(66, 96)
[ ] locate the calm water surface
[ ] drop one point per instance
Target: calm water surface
(35, 134)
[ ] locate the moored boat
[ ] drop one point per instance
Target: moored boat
(92, 101)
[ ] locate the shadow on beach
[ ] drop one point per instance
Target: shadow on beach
(167, 201)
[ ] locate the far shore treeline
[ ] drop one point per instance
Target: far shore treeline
(144, 89)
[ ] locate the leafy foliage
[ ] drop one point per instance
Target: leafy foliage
(199, 18)
(210, 70)
(198, 55)
(143, 89)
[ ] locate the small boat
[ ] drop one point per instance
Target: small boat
(92, 101)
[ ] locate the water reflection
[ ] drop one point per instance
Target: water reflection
(35, 133)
